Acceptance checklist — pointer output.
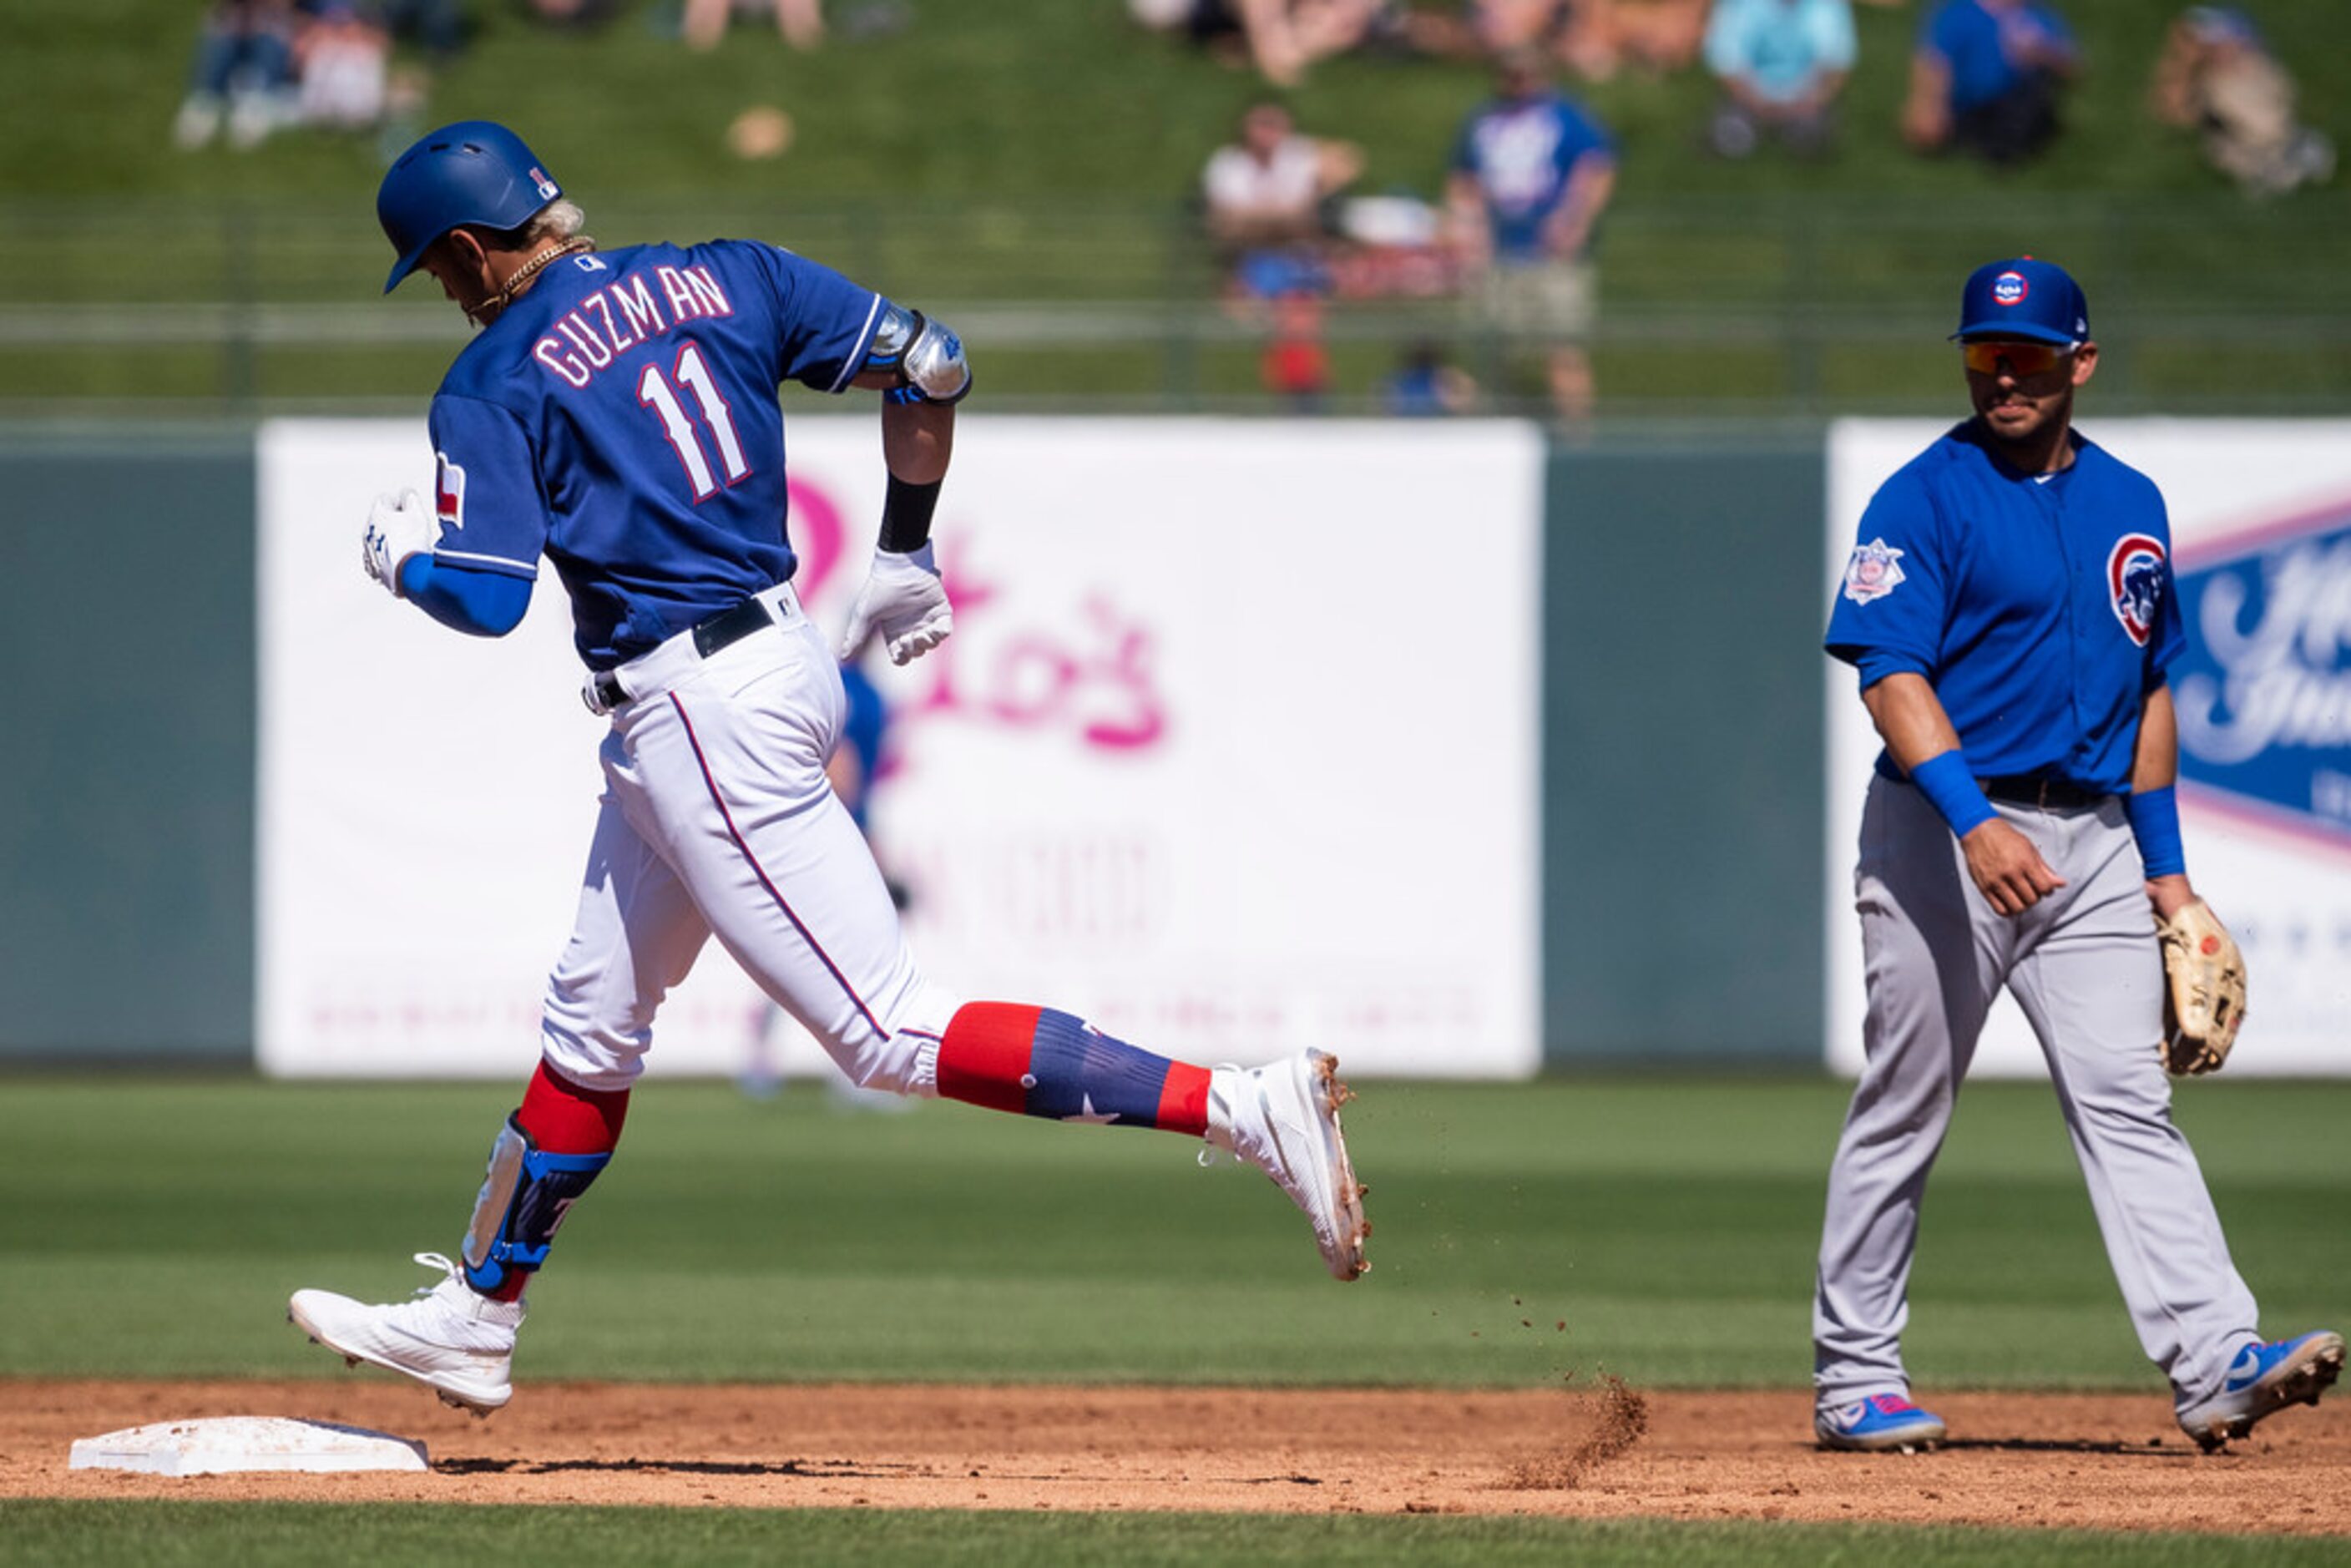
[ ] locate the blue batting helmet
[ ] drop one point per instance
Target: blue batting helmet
(474, 171)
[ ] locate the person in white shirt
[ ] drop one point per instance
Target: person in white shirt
(1267, 188)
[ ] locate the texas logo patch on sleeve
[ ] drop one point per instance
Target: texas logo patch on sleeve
(449, 491)
(1872, 572)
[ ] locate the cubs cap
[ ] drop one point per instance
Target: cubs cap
(2022, 298)
(474, 171)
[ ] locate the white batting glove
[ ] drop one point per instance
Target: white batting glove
(904, 603)
(397, 527)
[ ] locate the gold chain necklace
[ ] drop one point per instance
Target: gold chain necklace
(489, 310)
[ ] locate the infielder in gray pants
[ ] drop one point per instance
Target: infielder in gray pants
(2011, 609)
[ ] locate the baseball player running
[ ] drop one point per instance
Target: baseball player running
(618, 413)
(2010, 606)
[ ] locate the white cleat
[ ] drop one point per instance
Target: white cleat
(1283, 1118)
(456, 1343)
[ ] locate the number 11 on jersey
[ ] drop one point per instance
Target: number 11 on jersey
(654, 391)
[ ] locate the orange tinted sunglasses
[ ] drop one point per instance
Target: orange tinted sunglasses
(2023, 359)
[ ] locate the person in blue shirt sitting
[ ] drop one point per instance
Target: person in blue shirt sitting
(1986, 76)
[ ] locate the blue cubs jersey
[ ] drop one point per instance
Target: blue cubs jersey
(621, 419)
(2041, 609)
(1520, 153)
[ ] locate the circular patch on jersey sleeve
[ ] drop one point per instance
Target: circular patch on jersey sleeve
(2135, 583)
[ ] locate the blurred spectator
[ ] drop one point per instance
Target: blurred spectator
(243, 74)
(1484, 29)
(1532, 174)
(1423, 385)
(1264, 198)
(1655, 36)
(800, 22)
(569, 14)
(1280, 37)
(437, 26)
(1985, 77)
(1502, 25)
(1296, 366)
(1782, 64)
(342, 59)
(2216, 75)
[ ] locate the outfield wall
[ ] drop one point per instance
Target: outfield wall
(1572, 700)
(126, 830)
(1681, 744)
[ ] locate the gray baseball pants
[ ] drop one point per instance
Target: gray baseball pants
(2084, 964)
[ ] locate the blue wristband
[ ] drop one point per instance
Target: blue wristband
(2155, 824)
(1947, 781)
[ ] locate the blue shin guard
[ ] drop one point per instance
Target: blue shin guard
(524, 1198)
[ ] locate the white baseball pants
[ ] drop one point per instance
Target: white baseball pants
(718, 818)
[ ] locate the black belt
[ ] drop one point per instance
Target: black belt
(723, 630)
(2030, 790)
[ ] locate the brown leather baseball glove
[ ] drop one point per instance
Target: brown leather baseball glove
(2204, 995)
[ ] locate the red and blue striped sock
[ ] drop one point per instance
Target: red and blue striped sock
(1039, 1063)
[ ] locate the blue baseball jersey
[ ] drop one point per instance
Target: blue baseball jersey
(1970, 40)
(2041, 609)
(1520, 153)
(622, 418)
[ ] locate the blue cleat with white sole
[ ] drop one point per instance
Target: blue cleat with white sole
(2263, 1380)
(1874, 1425)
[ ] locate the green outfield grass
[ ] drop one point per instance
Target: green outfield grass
(166, 1534)
(155, 1227)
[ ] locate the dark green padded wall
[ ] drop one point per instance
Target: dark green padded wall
(1682, 746)
(126, 844)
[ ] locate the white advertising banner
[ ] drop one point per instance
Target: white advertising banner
(1235, 750)
(2260, 530)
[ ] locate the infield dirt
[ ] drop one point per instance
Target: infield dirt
(2087, 1461)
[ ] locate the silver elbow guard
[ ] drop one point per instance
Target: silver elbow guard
(928, 355)
(934, 365)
